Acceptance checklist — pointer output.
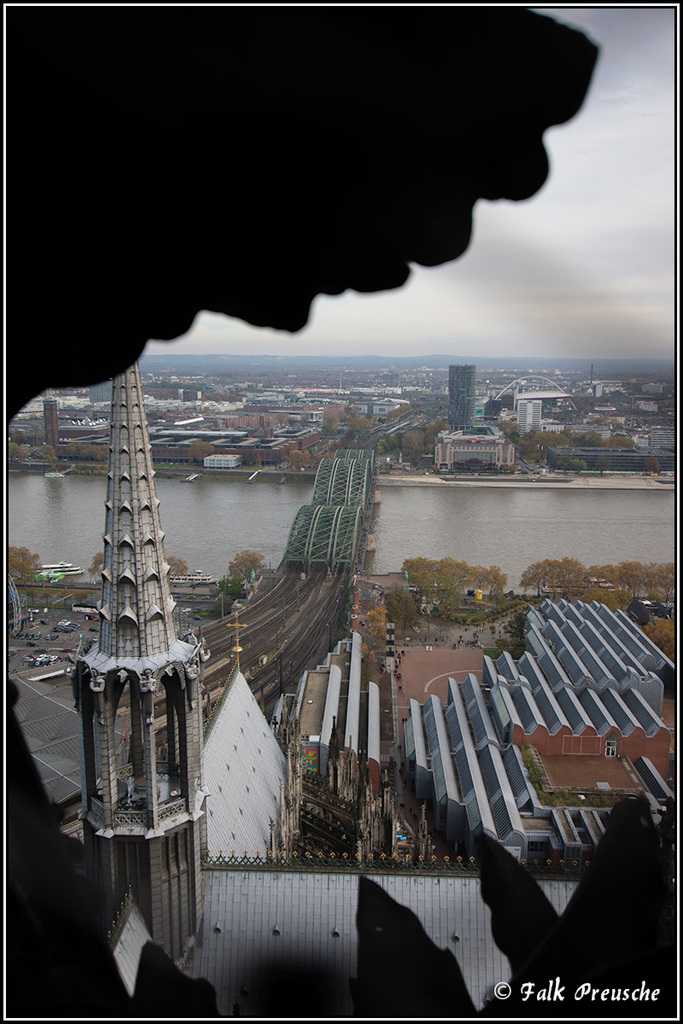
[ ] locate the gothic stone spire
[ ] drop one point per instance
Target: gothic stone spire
(137, 607)
(157, 794)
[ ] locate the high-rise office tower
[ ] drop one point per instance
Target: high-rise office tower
(461, 396)
(529, 414)
(51, 422)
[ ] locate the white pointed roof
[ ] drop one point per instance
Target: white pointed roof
(136, 611)
(243, 770)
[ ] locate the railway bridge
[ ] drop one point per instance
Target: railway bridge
(333, 530)
(292, 627)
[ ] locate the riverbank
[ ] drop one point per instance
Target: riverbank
(611, 482)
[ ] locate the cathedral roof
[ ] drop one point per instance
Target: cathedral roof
(259, 920)
(243, 770)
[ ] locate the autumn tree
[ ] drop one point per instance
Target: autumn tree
(492, 579)
(613, 599)
(95, 566)
(200, 450)
(597, 575)
(618, 441)
(299, 459)
(564, 576)
(632, 576)
(401, 607)
(651, 464)
(568, 577)
(536, 575)
(377, 622)
(661, 580)
(245, 563)
(177, 566)
(421, 575)
(452, 579)
(663, 633)
(22, 564)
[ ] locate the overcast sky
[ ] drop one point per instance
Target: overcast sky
(584, 268)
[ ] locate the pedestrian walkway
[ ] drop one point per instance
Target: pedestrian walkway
(423, 671)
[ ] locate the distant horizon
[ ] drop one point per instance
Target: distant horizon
(440, 358)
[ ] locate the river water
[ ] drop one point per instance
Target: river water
(206, 522)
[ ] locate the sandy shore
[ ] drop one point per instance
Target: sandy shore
(612, 482)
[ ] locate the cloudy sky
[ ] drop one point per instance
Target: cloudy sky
(583, 269)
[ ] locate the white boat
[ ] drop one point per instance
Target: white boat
(194, 577)
(65, 568)
(52, 475)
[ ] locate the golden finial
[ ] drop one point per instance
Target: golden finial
(237, 647)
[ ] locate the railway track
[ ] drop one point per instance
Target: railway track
(287, 631)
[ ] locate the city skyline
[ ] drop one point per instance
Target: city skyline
(582, 269)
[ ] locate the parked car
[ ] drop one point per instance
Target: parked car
(66, 650)
(31, 643)
(28, 658)
(93, 629)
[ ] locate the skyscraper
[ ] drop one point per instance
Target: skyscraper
(51, 422)
(529, 414)
(461, 396)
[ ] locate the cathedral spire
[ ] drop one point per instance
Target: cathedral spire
(136, 610)
(143, 797)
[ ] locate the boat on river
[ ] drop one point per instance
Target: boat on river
(65, 568)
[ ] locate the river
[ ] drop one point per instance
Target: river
(206, 522)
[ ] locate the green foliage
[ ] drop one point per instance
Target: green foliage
(231, 587)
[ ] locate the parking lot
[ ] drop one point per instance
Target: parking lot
(50, 638)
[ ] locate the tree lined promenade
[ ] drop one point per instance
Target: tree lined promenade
(567, 577)
(442, 583)
(445, 580)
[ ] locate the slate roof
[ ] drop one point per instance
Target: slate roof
(445, 784)
(128, 946)
(242, 909)
(243, 769)
(597, 712)
(470, 780)
(352, 734)
(49, 722)
(652, 779)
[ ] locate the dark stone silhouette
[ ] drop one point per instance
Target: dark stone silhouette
(162, 161)
(244, 160)
(607, 938)
(401, 973)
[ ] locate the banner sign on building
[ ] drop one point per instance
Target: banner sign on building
(311, 760)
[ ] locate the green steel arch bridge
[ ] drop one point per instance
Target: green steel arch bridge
(332, 530)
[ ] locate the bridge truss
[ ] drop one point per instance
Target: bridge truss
(344, 480)
(329, 531)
